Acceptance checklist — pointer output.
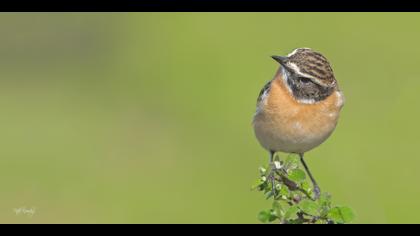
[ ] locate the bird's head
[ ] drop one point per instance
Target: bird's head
(308, 75)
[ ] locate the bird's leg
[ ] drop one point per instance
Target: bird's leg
(271, 175)
(317, 190)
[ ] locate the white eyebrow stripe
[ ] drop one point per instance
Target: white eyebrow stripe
(295, 51)
(295, 68)
(292, 53)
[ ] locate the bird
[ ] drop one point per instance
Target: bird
(299, 108)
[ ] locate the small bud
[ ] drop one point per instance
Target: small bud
(296, 199)
(277, 165)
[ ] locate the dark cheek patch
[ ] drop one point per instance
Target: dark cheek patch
(308, 90)
(313, 64)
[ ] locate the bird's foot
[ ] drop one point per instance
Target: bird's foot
(274, 167)
(272, 179)
(317, 192)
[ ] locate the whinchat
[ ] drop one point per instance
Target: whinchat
(299, 108)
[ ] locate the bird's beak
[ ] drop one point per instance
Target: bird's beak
(280, 59)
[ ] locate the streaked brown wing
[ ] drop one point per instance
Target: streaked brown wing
(264, 91)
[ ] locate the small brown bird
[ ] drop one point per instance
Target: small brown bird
(299, 108)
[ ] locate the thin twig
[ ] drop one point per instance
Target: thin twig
(291, 185)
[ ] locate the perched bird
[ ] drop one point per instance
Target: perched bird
(299, 108)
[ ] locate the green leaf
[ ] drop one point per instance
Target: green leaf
(291, 213)
(341, 214)
(263, 216)
(269, 194)
(262, 187)
(325, 200)
(262, 170)
(257, 184)
(324, 203)
(273, 216)
(278, 209)
(266, 186)
(306, 186)
(284, 192)
(309, 207)
(297, 175)
(295, 222)
(267, 216)
(292, 162)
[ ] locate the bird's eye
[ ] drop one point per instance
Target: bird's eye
(305, 80)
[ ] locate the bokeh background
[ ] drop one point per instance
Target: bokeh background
(146, 117)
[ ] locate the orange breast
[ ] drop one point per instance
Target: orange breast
(284, 124)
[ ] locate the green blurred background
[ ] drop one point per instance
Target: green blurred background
(146, 117)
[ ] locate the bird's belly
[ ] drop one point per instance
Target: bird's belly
(295, 129)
